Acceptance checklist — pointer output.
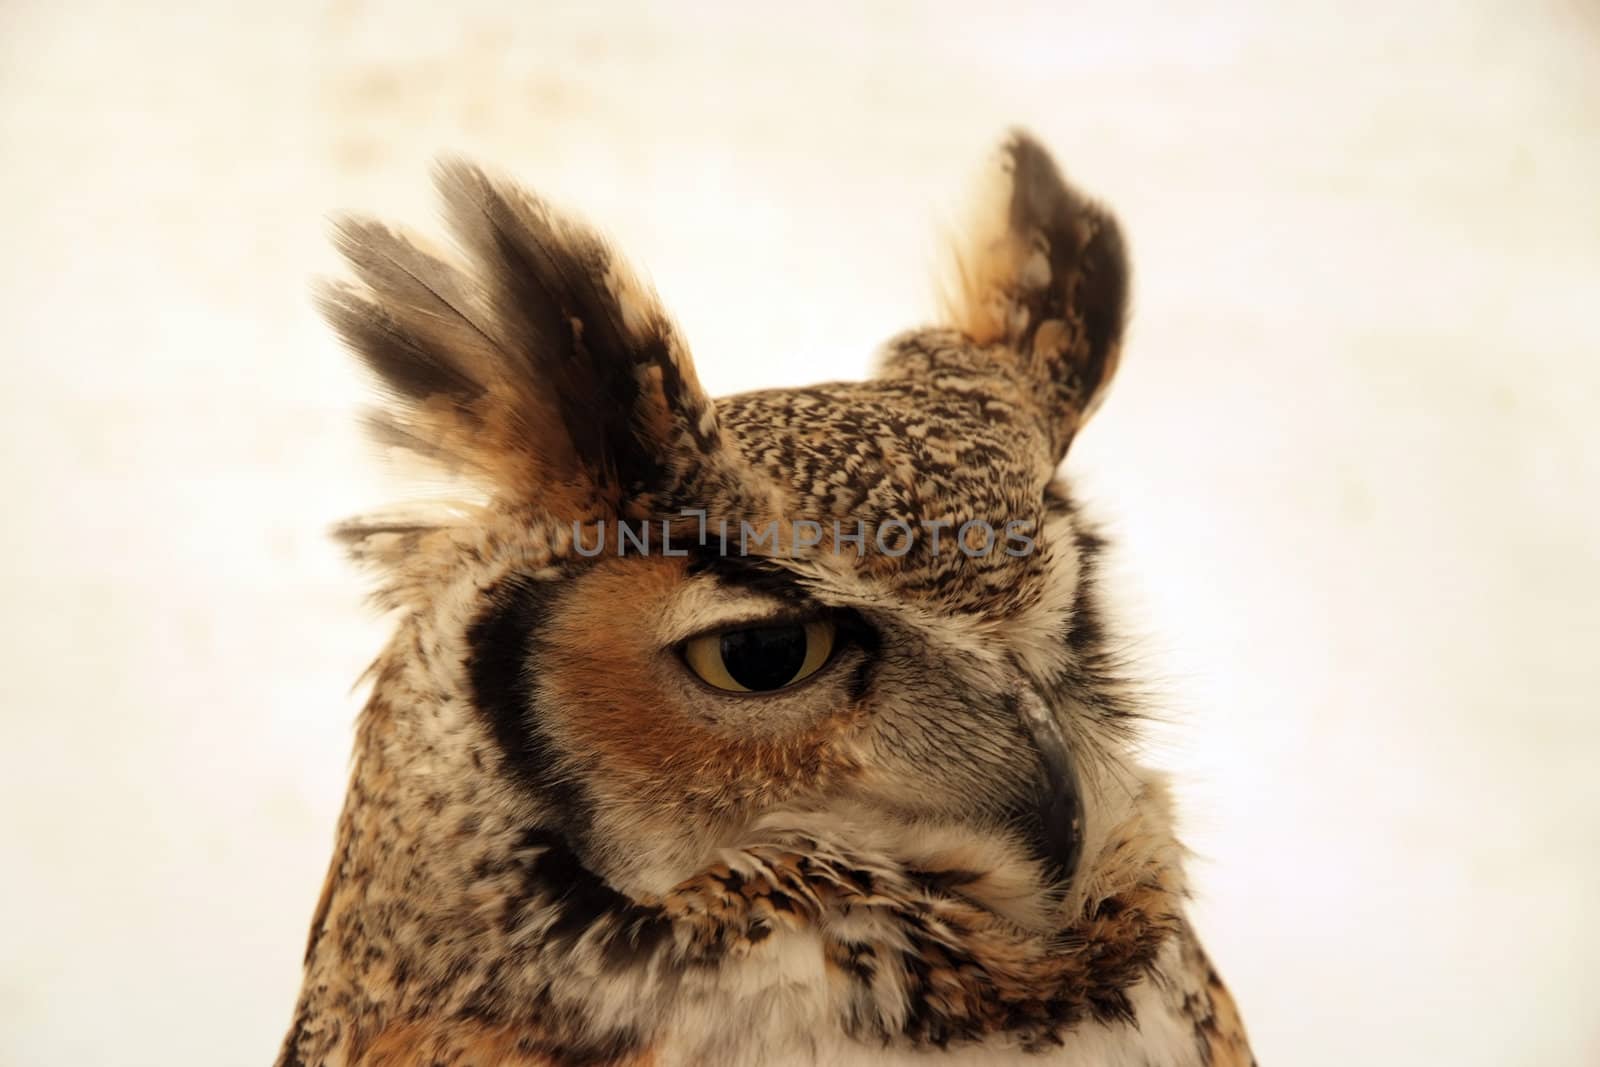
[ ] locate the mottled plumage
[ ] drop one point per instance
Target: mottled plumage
(565, 842)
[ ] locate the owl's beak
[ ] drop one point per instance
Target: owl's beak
(1060, 805)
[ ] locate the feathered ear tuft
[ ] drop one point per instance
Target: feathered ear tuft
(1041, 270)
(543, 370)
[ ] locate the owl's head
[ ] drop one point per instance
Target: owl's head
(659, 625)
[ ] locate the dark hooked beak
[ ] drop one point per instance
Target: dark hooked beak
(1060, 810)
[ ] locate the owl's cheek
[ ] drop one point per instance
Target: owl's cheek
(641, 733)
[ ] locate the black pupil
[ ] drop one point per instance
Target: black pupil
(764, 657)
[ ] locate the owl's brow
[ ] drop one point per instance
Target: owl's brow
(754, 616)
(755, 575)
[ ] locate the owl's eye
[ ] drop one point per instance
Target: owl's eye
(761, 659)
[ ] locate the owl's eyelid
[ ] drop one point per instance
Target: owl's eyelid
(783, 616)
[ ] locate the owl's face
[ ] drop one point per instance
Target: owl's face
(667, 619)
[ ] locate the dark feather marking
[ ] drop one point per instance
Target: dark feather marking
(583, 901)
(751, 573)
(1087, 277)
(503, 646)
(1085, 632)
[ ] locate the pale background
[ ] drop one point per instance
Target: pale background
(1350, 458)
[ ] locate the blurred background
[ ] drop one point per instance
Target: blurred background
(1350, 459)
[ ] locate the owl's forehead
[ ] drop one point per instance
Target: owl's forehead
(933, 497)
(882, 451)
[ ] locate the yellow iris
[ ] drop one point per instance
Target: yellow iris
(761, 659)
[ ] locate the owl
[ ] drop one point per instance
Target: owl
(780, 728)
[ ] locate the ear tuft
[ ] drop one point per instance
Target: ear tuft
(1041, 270)
(581, 325)
(542, 368)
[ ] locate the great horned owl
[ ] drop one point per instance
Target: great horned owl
(782, 728)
